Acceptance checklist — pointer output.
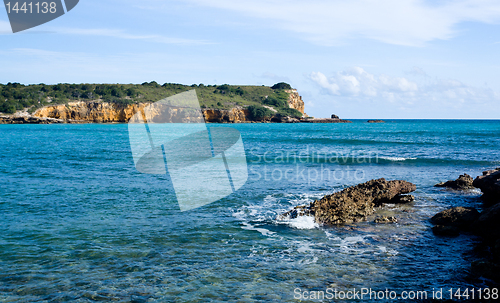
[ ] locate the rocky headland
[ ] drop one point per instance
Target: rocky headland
(105, 112)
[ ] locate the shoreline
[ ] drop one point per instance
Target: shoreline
(43, 120)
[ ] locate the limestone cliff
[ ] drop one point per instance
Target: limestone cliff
(99, 112)
(234, 115)
(295, 101)
(103, 112)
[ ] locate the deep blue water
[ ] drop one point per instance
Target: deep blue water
(79, 223)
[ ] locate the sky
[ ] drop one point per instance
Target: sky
(358, 59)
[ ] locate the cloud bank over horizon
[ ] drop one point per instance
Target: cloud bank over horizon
(423, 92)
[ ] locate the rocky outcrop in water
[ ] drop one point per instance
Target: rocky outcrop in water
(28, 120)
(487, 224)
(461, 217)
(453, 221)
(354, 204)
(376, 121)
(464, 182)
(324, 120)
(386, 220)
(489, 183)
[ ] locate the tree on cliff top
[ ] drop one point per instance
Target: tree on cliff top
(281, 85)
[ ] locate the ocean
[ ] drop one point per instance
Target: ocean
(79, 223)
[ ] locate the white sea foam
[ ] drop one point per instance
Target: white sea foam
(351, 240)
(263, 231)
(397, 159)
(302, 222)
(270, 208)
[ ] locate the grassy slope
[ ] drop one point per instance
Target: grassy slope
(14, 96)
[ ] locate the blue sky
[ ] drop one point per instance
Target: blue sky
(357, 59)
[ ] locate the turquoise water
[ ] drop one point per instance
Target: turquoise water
(80, 224)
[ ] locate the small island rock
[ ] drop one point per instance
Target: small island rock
(463, 182)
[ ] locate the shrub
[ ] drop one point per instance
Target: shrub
(292, 112)
(8, 107)
(281, 85)
(278, 99)
(259, 113)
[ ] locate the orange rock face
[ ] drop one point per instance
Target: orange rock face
(99, 112)
(103, 112)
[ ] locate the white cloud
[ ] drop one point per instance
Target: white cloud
(359, 84)
(403, 22)
(121, 34)
(112, 33)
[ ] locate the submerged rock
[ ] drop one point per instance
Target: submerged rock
(446, 231)
(489, 183)
(463, 182)
(403, 199)
(376, 121)
(356, 203)
(385, 220)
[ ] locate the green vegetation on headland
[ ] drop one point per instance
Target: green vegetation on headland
(16, 96)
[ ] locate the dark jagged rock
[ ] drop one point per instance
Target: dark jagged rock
(489, 183)
(487, 224)
(486, 269)
(354, 204)
(403, 199)
(463, 182)
(30, 120)
(446, 230)
(386, 220)
(323, 120)
(460, 217)
(335, 116)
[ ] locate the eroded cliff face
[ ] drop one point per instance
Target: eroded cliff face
(103, 112)
(100, 112)
(295, 100)
(234, 115)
